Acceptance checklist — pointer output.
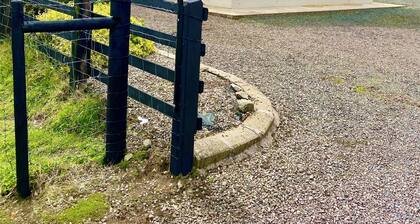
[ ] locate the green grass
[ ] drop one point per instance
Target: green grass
(136, 156)
(408, 17)
(64, 128)
(93, 207)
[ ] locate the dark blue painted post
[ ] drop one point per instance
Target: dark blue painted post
(116, 120)
(81, 45)
(19, 82)
(191, 15)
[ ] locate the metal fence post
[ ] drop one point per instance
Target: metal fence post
(191, 15)
(81, 46)
(5, 18)
(19, 82)
(116, 117)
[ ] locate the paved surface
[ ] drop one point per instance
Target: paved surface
(296, 9)
(348, 148)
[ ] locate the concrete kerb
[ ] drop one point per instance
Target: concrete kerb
(255, 131)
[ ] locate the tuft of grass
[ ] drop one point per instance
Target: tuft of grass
(336, 80)
(360, 89)
(141, 155)
(93, 207)
(85, 119)
(64, 129)
(339, 81)
(391, 17)
(137, 156)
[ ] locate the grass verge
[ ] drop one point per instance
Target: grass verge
(64, 129)
(392, 17)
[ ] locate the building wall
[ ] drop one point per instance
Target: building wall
(246, 4)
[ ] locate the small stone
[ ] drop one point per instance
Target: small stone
(128, 156)
(242, 95)
(147, 144)
(245, 106)
(235, 87)
(208, 119)
(180, 185)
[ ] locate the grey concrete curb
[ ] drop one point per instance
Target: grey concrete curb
(254, 131)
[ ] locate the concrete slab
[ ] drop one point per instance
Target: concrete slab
(297, 9)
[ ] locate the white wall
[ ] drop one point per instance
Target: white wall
(246, 4)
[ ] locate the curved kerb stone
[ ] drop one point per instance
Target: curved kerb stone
(254, 131)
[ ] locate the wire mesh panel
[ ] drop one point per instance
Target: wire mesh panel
(82, 94)
(5, 18)
(66, 124)
(69, 69)
(6, 118)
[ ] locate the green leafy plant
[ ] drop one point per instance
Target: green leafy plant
(138, 46)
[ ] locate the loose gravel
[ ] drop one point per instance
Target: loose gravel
(218, 99)
(348, 147)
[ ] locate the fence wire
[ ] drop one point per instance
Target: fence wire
(56, 109)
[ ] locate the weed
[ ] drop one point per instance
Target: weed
(360, 89)
(141, 155)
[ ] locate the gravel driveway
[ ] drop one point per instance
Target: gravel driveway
(348, 148)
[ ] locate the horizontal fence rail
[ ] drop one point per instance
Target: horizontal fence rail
(162, 5)
(75, 24)
(153, 35)
(57, 6)
(140, 63)
(135, 94)
(136, 30)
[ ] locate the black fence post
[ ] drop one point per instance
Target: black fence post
(116, 116)
(191, 15)
(81, 45)
(19, 82)
(5, 18)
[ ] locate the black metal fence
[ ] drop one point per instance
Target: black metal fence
(189, 49)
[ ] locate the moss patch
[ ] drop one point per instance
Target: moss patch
(136, 156)
(93, 207)
(4, 218)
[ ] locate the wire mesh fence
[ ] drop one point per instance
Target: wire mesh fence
(84, 97)
(67, 78)
(66, 117)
